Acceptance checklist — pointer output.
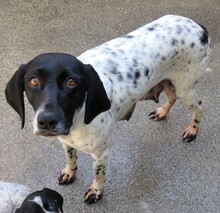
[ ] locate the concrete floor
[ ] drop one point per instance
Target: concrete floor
(150, 169)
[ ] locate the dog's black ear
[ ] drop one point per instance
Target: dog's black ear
(14, 93)
(56, 196)
(97, 100)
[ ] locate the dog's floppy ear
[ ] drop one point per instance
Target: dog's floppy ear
(52, 196)
(97, 100)
(14, 93)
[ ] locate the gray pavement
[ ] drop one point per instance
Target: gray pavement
(151, 170)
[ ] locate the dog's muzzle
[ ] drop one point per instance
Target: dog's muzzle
(49, 124)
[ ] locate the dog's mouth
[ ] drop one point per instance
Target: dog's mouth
(47, 133)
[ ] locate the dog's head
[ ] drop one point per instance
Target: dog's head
(45, 200)
(56, 86)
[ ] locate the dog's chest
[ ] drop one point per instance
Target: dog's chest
(92, 138)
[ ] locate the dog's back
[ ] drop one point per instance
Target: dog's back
(172, 47)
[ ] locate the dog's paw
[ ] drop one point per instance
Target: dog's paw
(93, 195)
(158, 114)
(190, 133)
(67, 176)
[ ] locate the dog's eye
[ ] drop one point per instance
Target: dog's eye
(34, 82)
(71, 83)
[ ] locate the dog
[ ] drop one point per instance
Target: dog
(16, 198)
(79, 99)
(43, 201)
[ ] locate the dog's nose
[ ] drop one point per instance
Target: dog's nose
(47, 121)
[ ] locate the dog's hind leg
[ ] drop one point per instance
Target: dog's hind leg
(195, 104)
(68, 173)
(187, 94)
(161, 112)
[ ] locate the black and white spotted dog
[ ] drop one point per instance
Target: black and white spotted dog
(79, 99)
(42, 201)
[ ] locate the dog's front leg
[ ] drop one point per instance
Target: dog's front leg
(68, 173)
(95, 191)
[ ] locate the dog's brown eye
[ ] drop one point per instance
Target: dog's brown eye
(34, 82)
(71, 83)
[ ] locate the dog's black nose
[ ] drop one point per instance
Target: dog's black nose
(47, 121)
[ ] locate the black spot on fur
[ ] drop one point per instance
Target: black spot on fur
(129, 75)
(188, 30)
(163, 58)
(183, 41)
(163, 37)
(179, 30)
(111, 80)
(175, 54)
(151, 28)
(200, 102)
(192, 45)
(69, 150)
(157, 56)
(135, 83)
(120, 77)
(174, 42)
(115, 71)
(137, 75)
(204, 37)
(127, 36)
(146, 73)
(135, 63)
(196, 121)
(113, 54)
(121, 51)
(74, 169)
